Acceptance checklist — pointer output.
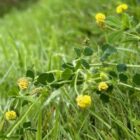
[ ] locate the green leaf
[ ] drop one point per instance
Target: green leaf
(98, 92)
(115, 36)
(108, 50)
(88, 51)
(20, 131)
(105, 47)
(121, 67)
(114, 22)
(42, 78)
(30, 74)
(45, 77)
(78, 65)
(110, 88)
(50, 77)
(26, 124)
(123, 77)
(85, 63)
(104, 98)
(25, 102)
(136, 79)
(138, 28)
(78, 51)
(68, 65)
(67, 74)
(57, 85)
(126, 24)
(112, 74)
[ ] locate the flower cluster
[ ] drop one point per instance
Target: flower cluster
(10, 115)
(100, 19)
(103, 86)
(121, 8)
(83, 101)
(23, 83)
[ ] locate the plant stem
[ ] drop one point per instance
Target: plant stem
(126, 85)
(75, 82)
(133, 35)
(39, 127)
(114, 64)
(22, 118)
(20, 121)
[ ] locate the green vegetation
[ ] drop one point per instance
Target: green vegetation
(61, 53)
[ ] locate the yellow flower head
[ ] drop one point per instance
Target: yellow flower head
(83, 101)
(102, 86)
(10, 115)
(121, 8)
(23, 83)
(100, 18)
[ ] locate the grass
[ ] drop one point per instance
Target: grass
(42, 37)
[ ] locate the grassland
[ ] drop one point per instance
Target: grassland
(41, 37)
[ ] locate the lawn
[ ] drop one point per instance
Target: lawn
(67, 74)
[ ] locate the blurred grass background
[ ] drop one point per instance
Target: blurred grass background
(42, 34)
(7, 5)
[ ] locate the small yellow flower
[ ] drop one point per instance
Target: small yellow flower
(103, 86)
(10, 115)
(100, 19)
(23, 83)
(121, 8)
(83, 101)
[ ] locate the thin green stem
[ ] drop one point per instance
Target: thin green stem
(39, 127)
(75, 82)
(129, 86)
(113, 29)
(21, 119)
(114, 64)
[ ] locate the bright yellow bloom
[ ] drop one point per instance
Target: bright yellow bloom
(10, 115)
(121, 8)
(83, 101)
(100, 19)
(23, 83)
(103, 86)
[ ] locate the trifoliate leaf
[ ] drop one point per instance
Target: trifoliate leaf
(67, 74)
(30, 74)
(112, 74)
(121, 67)
(78, 51)
(45, 77)
(107, 51)
(104, 98)
(123, 77)
(85, 63)
(136, 79)
(68, 65)
(26, 124)
(88, 51)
